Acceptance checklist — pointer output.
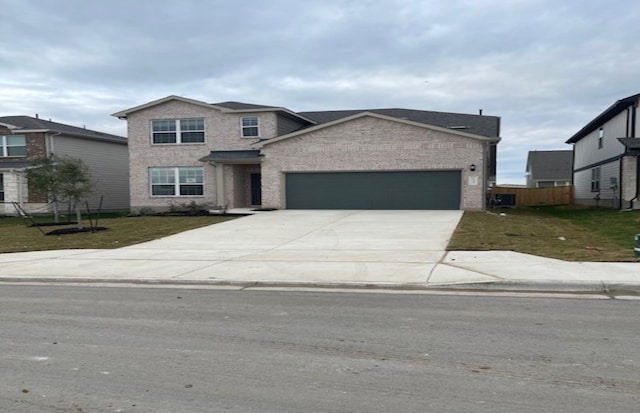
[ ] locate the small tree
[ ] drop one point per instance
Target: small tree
(61, 178)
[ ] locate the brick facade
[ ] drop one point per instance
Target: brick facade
(369, 143)
(222, 132)
(363, 142)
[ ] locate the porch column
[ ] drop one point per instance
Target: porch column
(219, 185)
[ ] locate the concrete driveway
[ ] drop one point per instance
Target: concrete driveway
(288, 246)
(315, 245)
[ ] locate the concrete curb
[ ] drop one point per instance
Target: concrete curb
(611, 290)
(558, 287)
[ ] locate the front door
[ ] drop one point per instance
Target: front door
(256, 189)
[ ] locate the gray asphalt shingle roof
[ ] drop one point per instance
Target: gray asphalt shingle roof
(240, 105)
(237, 155)
(29, 123)
(550, 165)
(475, 124)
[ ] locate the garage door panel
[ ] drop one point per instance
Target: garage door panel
(374, 190)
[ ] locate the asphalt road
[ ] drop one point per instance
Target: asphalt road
(101, 349)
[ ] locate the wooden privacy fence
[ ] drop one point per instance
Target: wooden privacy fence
(559, 195)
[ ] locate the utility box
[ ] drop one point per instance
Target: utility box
(507, 200)
(636, 248)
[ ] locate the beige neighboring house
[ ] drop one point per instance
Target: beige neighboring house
(240, 155)
(24, 139)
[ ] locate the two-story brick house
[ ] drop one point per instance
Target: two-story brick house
(244, 155)
(24, 139)
(606, 157)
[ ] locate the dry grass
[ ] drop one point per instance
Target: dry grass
(121, 231)
(567, 233)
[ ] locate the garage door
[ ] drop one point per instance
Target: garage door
(374, 190)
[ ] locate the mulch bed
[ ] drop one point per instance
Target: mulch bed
(74, 230)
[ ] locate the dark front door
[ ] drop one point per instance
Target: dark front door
(256, 189)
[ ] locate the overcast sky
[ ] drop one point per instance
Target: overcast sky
(546, 67)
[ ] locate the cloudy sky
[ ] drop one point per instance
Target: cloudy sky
(546, 67)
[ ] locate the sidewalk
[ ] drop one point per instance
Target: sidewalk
(327, 249)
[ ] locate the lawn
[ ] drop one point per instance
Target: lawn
(568, 233)
(121, 231)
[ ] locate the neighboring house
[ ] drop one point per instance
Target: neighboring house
(606, 154)
(549, 168)
(24, 139)
(240, 155)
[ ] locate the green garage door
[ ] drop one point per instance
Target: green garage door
(373, 190)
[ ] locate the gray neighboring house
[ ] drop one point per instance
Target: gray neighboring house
(607, 157)
(546, 169)
(242, 155)
(24, 139)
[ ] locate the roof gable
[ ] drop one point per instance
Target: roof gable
(378, 116)
(124, 113)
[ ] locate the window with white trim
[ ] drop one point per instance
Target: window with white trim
(250, 126)
(177, 131)
(184, 181)
(13, 145)
(1, 187)
(595, 179)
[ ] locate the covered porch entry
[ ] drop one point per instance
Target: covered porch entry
(237, 178)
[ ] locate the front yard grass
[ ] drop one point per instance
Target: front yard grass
(121, 231)
(569, 233)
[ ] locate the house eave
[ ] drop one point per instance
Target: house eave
(108, 138)
(604, 117)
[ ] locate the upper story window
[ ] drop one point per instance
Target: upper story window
(167, 131)
(13, 145)
(600, 138)
(250, 127)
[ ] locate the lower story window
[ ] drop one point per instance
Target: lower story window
(1, 187)
(186, 181)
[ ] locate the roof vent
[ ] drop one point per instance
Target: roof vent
(458, 127)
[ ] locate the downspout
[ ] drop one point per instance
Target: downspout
(620, 183)
(485, 175)
(633, 135)
(635, 198)
(19, 182)
(50, 146)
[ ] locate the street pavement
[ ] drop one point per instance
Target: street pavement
(324, 248)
